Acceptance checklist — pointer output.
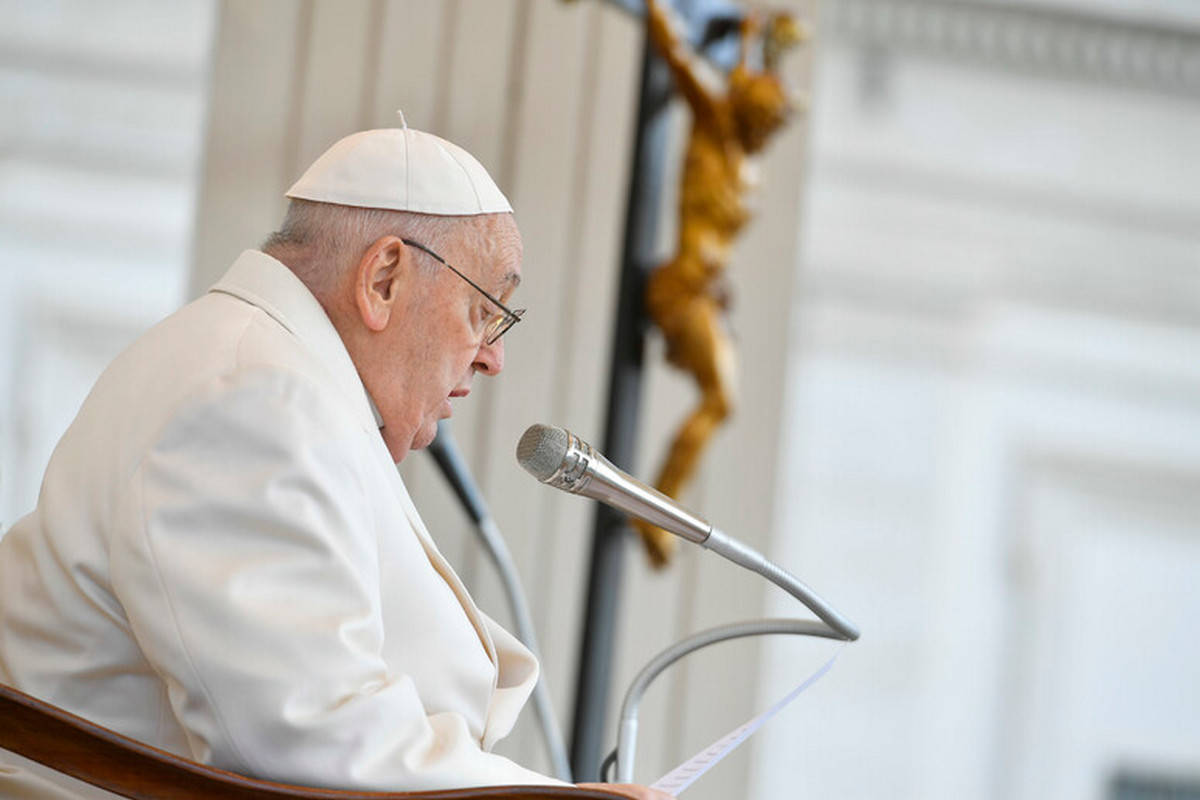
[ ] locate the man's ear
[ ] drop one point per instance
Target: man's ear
(377, 280)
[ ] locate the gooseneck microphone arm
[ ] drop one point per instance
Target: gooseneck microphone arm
(560, 459)
(745, 556)
(627, 732)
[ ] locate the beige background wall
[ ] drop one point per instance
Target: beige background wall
(544, 94)
(100, 138)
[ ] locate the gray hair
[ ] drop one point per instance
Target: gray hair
(320, 241)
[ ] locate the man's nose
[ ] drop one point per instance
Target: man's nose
(489, 359)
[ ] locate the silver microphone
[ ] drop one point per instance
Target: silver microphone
(560, 459)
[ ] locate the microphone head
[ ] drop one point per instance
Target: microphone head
(542, 449)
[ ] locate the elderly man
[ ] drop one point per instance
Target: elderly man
(224, 562)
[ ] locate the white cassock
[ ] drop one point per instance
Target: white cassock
(224, 563)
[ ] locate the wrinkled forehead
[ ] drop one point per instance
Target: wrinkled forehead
(492, 244)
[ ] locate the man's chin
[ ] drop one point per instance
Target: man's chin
(424, 436)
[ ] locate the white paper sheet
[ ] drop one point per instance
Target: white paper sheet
(686, 773)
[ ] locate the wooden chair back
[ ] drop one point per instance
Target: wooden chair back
(91, 753)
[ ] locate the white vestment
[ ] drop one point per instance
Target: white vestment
(224, 563)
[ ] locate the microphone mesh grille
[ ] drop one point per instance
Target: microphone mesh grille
(541, 450)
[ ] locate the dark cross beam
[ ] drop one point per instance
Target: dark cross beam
(709, 24)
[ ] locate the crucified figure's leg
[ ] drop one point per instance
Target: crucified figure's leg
(700, 346)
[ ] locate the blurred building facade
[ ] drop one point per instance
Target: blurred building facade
(995, 403)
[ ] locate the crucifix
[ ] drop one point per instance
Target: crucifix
(625, 373)
(683, 297)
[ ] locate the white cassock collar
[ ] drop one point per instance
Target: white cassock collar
(268, 284)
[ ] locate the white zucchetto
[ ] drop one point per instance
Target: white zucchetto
(404, 170)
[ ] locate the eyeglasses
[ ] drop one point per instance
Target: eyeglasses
(497, 324)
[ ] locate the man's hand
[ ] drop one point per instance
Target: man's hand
(631, 790)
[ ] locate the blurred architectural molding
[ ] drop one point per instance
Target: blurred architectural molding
(1080, 44)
